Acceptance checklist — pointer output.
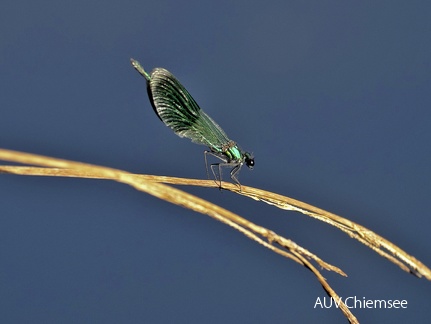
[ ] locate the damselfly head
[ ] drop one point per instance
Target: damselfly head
(249, 160)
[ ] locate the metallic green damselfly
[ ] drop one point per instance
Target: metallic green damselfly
(177, 109)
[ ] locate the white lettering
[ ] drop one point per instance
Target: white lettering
(324, 302)
(346, 301)
(380, 302)
(354, 302)
(337, 303)
(318, 302)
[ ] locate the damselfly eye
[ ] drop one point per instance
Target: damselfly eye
(249, 161)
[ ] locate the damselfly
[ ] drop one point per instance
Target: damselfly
(178, 110)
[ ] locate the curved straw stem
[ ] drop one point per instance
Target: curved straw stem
(285, 247)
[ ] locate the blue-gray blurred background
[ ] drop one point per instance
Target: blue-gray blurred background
(333, 98)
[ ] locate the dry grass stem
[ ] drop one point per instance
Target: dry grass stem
(374, 241)
(154, 186)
